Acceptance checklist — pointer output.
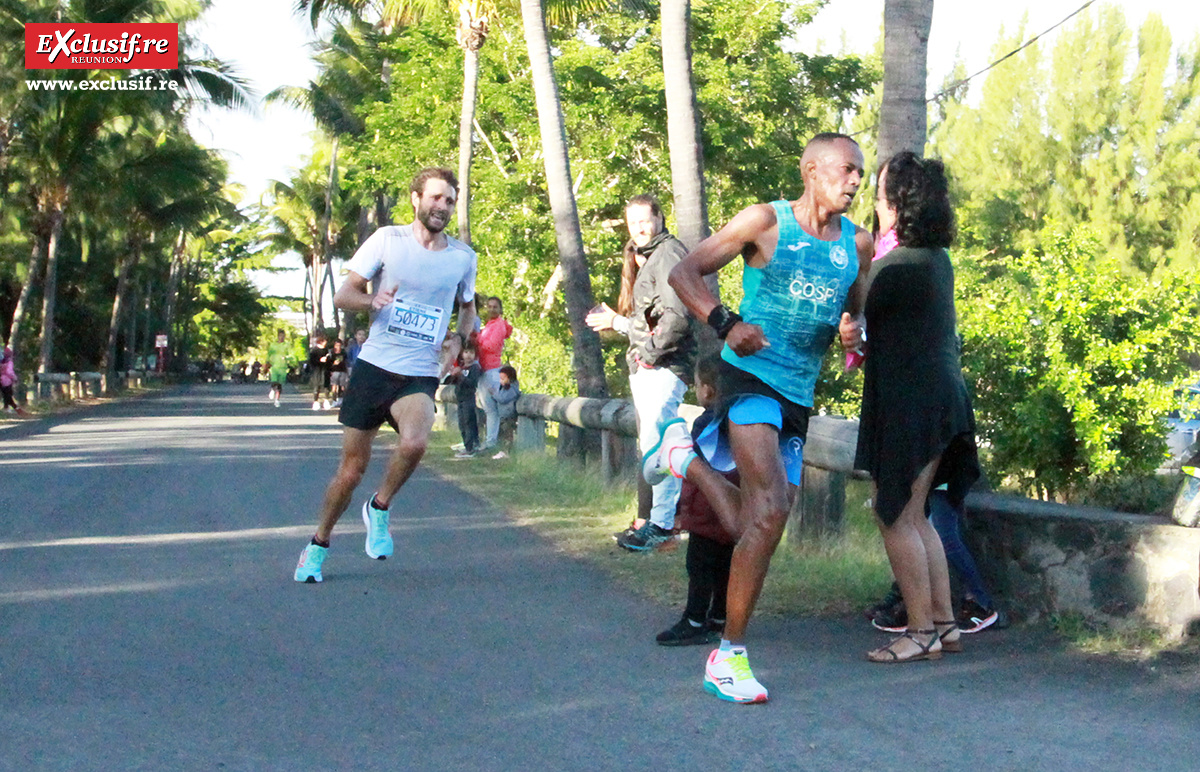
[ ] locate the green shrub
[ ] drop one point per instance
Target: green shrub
(1074, 364)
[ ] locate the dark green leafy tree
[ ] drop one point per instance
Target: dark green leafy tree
(56, 136)
(1096, 131)
(760, 104)
(1073, 365)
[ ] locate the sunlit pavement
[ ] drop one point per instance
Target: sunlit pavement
(148, 620)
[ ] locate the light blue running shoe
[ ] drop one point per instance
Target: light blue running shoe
(309, 568)
(379, 540)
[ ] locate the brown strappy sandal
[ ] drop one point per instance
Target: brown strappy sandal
(950, 647)
(926, 649)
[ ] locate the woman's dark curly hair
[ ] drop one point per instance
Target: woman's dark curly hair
(919, 192)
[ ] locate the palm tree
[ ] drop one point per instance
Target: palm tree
(577, 283)
(471, 31)
(349, 62)
(163, 183)
(298, 222)
(683, 125)
(61, 132)
(902, 122)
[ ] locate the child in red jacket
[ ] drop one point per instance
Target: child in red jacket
(710, 547)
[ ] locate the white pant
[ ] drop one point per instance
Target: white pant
(489, 384)
(657, 394)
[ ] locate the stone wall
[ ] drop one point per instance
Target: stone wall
(1043, 559)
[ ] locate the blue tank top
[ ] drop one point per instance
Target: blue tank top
(797, 299)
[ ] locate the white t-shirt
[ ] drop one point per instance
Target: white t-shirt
(406, 337)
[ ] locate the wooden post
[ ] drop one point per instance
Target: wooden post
(820, 506)
(618, 455)
(531, 434)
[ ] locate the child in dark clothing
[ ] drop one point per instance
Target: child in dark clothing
(710, 547)
(465, 377)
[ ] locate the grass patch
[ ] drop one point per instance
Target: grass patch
(1132, 641)
(577, 512)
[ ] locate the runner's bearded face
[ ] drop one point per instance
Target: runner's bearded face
(436, 205)
(838, 175)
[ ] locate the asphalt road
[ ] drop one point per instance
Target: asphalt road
(148, 620)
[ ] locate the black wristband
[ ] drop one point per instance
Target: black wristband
(722, 320)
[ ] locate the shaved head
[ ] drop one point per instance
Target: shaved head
(821, 142)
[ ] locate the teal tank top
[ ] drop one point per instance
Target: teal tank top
(797, 300)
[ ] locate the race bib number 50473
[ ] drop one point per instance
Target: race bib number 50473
(414, 320)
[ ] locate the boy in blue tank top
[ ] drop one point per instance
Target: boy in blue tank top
(806, 266)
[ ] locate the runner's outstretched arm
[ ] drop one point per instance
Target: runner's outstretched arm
(742, 236)
(739, 237)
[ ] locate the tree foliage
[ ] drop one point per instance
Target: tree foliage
(759, 104)
(1073, 365)
(1097, 130)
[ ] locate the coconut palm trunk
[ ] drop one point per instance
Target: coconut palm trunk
(326, 224)
(902, 123)
(50, 284)
(577, 284)
(109, 365)
(171, 301)
(466, 139)
(683, 125)
(685, 144)
(316, 287)
(36, 256)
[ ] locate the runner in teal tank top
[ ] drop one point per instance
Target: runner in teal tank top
(805, 266)
(797, 300)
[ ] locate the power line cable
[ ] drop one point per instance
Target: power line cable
(964, 81)
(1010, 54)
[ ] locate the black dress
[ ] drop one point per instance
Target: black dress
(915, 404)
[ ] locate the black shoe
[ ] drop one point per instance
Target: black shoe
(892, 620)
(647, 538)
(891, 599)
(630, 530)
(684, 633)
(973, 617)
(717, 628)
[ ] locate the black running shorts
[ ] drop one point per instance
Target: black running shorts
(373, 391)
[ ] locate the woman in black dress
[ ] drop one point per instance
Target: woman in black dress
(917, 428)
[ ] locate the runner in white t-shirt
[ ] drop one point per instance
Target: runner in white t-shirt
(419, 274)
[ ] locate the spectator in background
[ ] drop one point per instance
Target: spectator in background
(506, 408)
(318, 372)
(8, 381)
(978, 610)
(465, 377)
(338, 377)
(490, 344)
(710, 546)
(662, 351)
(355, 346)
(917, 427)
